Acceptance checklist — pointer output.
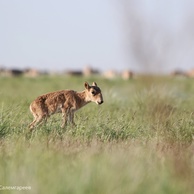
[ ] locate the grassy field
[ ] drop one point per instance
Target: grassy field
(138, 141)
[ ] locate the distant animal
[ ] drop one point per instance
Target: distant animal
(65, 102)
(179, 73)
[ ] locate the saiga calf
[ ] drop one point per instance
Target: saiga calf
(65, 102)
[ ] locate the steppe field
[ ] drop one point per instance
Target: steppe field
(139, 141)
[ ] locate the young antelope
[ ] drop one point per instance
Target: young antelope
(65, 102)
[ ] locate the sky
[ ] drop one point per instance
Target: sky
(62, 34)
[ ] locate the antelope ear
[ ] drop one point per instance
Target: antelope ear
(94, 84)
(87, 86)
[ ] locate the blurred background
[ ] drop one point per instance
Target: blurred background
(144, 36)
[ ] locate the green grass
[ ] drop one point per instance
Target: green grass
(140, 140)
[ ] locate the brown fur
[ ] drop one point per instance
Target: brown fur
(65, 102)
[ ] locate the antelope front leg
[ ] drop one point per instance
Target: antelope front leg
(71, 118)
(64, 118)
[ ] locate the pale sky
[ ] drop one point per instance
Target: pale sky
(70, 34)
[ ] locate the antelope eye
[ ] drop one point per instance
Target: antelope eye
(93, 93)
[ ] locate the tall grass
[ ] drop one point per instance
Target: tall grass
(139, 141)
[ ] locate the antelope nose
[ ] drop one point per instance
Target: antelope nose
(101, 102)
